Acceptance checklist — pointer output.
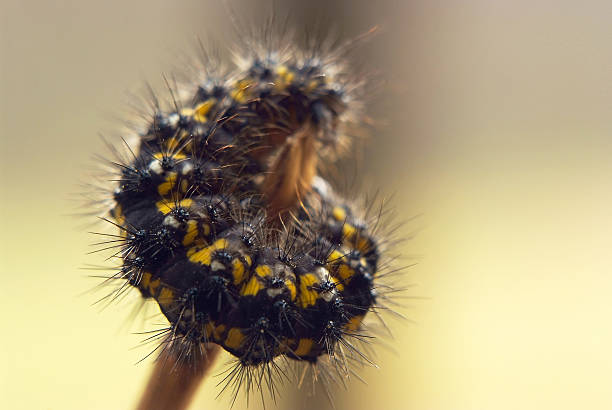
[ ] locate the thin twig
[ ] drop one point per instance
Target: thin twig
(174, 380)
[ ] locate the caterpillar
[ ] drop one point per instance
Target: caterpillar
(224, 219)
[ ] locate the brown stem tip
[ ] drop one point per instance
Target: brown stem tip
(291, 173)
(175, 379)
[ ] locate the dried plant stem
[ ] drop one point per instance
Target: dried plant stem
(174, 381)
(291, 173)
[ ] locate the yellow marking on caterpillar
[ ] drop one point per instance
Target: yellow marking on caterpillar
(312, 85)
(335, 256)
(252, 287)
(165, 208)
(203, 256)
(285, 77)
(248, 260)
(160, 156)
(192, 232)
(165, 297)
(282, 70)
(292, 290)
(187, 112)
(234, 338)
(183, 134)
(205, 229)
(339, 214)
(241, 92)
(208, 328)
(338, 284)
(308, 296)
(171, 144)
(348, 231)
(238, 271)
(345, 271)
(364, 245)
(145, 280)
(221, 243)
(263, 271)
(304, 347)
(118, 215)
(184, 185)
(354, 323)
(201, 110)
(167, 185)
(153, 285)
(218, 332)
(214, 331)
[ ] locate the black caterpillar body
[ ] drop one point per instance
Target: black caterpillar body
(197, 234)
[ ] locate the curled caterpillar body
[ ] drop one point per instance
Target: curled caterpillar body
(196, 261)
(225, 224)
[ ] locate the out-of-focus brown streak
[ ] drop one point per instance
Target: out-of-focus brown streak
(174, 382)
(291, 174)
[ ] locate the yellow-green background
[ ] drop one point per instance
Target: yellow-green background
(495, 129)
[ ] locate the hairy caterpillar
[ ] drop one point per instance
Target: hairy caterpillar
(224, 221)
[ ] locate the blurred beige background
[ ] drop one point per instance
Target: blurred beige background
(498, 134)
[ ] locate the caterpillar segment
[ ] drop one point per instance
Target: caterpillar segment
(210, 271)
(225, 223)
